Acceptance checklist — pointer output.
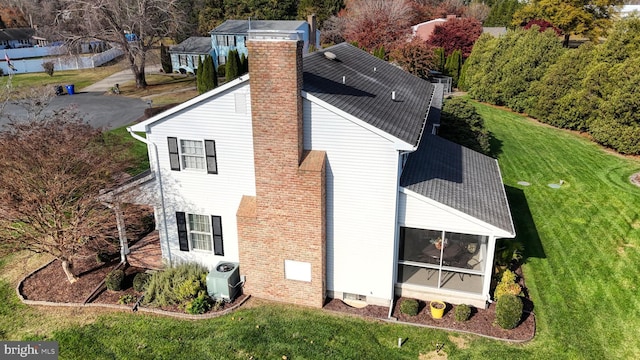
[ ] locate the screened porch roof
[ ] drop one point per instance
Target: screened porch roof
(460, 178)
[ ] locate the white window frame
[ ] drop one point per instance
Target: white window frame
(191, 232)
(202, 157)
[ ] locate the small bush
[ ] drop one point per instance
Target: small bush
(409, 307)
(199, 305)
(127, 299)
(140, 281)
(462, 313)
(507, 285)
(222, 71)
(114, 280)
(48, 67)
(508, 311)
(102, 257)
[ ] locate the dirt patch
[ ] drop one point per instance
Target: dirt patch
(635, 179)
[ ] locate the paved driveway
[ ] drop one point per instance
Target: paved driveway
(99, 110)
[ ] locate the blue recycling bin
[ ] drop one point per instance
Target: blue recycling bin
(71, 89)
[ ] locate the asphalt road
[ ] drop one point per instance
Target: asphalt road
(96, 108)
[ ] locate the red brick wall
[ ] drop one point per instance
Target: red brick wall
(286, 219)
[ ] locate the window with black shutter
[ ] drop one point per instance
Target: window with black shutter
(216, 224)
(183, 238)
(174, 156)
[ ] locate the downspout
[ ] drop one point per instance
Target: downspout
(162, 202)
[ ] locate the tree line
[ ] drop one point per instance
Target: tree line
(590, 89)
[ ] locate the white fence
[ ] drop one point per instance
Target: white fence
(23, 59)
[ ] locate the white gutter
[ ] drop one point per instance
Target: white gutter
(162, 202)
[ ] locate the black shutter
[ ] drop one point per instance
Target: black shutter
(216, 222)
(210, 151)
(183, 238)
(174, 158)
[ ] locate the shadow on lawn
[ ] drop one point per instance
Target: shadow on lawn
(526, 232)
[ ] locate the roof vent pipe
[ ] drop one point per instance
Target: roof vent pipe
(393, 95)
(344, 80)
(374, 69)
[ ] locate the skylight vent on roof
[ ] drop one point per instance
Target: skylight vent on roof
(329, 55)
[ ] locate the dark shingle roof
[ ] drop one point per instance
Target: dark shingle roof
(366, 92)
(242, 26)
(459, 178)
(16, 34)
(193, 45)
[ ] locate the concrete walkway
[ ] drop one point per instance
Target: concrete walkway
(120, 77)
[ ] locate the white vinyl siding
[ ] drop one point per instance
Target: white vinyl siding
(196, 192)
(419, 212)
(361, 188)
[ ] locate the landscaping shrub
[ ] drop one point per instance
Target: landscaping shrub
(462, 124)
(409, 307)
(507, 285)
(462, 312)
(199, 305)
(114, 280)
(176, 285)
(48, 67)
(140, 281)
(103, 257)
(222, 71)
(508, 311)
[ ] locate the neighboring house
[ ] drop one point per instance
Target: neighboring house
(320, 175)
(495, 31)
(629, 10)
(18, 38)
(425, 30)
(184, 56)
(232, 34)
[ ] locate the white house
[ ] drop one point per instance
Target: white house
(321, 176)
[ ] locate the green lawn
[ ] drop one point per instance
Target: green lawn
(581, 247)
(582, 240)
(80, 78)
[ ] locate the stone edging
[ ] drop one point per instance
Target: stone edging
(468, 332)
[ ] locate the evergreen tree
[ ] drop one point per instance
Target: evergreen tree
(209, 76)
(200, 77)
(232, 68)
(244, 64)
(439, 59)
(453, 66)
(165, 59)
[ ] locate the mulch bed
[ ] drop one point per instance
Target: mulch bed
(50, 284)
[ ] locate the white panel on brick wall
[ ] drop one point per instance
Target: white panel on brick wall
(414, 211)
(361, 202)
(197, 192)
(297, 270)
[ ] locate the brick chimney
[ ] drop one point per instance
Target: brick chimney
(281, 231)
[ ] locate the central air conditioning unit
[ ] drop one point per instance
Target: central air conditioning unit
(223, 282)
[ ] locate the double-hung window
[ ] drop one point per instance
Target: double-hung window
(193, 155)
(200, 232)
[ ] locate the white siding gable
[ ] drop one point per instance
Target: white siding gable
(224, 118)
(361, 201)
(417, 211)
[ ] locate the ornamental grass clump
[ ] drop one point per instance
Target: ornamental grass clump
(462, 313)
(183, 285)
(114, 280)
(409, 307)
(508, 311)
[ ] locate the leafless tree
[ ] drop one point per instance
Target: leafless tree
(375, 23)
(135, 26)
(479, 11)
(53, 167)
